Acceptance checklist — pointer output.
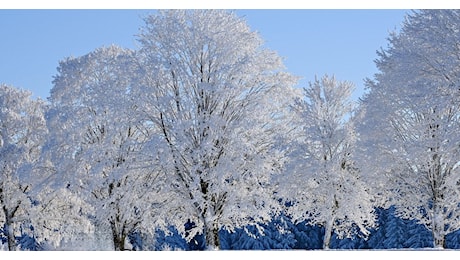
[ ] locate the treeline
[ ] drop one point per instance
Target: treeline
(280, 234)
(198, 140)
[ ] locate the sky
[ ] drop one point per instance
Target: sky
(315, 42)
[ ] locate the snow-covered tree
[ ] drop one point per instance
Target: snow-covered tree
(323, 185)
(395, 232)
(412, 119)
(28, 205)
(216, 97)
(21, 126)
(96, 143)
(308, 236)
(276, 234)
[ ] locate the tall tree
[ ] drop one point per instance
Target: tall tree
(411, 120)
(217, 98)
(324, 185)
(96, 143)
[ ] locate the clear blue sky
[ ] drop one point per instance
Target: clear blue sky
(313, 42)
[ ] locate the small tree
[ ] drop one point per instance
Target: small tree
(324, 185)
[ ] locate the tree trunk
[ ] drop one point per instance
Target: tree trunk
(327, 233)
(330, 224)
(9, 233)
(438, 230)
(439, 241)
(118, 237)
(9, 230)
(212, 235)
